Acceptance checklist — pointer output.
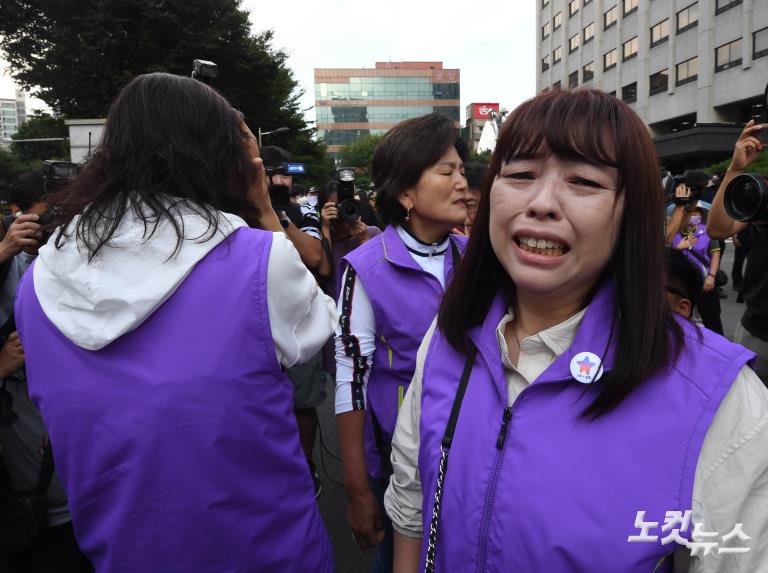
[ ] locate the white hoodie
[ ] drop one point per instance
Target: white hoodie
(94, 303)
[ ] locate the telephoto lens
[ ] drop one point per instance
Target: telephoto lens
(746, 198)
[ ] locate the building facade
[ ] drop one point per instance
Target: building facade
(477, 115)
(351, 103)
(13, 112)
(690, 69)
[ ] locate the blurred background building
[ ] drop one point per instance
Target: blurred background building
(353, 102)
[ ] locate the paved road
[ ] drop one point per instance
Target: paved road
(350, 559)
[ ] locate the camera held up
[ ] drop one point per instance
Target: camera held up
(349, 208)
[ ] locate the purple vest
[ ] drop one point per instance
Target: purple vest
(701, 248)
(405, 300)
(552, 493)
(177, 444)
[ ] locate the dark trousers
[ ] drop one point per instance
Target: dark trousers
(709, 309)
(56, 551)
(385, 553)
(737, 272)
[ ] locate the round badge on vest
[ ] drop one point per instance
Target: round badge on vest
(586, 367)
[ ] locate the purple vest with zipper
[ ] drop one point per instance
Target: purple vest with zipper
(405, 300)
(176, 443)
(547, 492)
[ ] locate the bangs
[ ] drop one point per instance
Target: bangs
(581, 125)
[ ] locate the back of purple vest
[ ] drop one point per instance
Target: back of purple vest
(177, 443)
(555, 493)
(405, 301)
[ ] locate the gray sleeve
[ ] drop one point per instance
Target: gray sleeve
(731, 482)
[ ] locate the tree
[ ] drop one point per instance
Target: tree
(10, 169)
(484, 157)
(77, 56)
(359, 154)
(759, 166)
(39, 126)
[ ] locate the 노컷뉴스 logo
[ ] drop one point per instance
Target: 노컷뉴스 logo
(702, 542)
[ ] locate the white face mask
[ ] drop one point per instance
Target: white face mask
(303, 200)
(693, 221)
(312, 200)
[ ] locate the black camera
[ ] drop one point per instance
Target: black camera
(696, 181)
(204, 71)
(349, 208)
(746, 198)
(285, 169)
(56, 174)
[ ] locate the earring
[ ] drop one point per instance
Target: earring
(408, 214)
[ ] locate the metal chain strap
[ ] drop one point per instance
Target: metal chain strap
(434, 525)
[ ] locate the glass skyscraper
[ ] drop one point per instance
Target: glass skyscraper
(355, 102)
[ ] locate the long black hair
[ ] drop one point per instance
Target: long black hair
(586, 125)
(170, 142)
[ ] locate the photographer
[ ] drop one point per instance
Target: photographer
(23, 436)
(752, 332)
(687, 232)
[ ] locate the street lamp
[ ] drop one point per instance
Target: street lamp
(274, 131)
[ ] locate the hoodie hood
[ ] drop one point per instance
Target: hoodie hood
(93, 303)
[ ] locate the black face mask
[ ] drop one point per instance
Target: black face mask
(280, 194)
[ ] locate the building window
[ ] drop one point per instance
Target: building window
(545, 63)
(629, 93)
(545, 30)
(588, 72)
(573, 79)
(688, 18)
(544, 3)
(573, 8)
(609, 59)
(687, 71)
(610, 17)
(728, 55)
(659, 82)
(723, 5)
(660, 33)
(629, 49)
(573, 43)
(630, 6)
(586, 2)
(589, 32)
(557, 55)
(760, 43)
(557, 20)
(556, 86)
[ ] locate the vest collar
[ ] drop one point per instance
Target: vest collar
(593, 335)
(396, 250)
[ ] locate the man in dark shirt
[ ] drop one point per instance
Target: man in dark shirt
(753, 330)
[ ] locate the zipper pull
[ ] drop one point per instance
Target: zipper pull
(504, 424)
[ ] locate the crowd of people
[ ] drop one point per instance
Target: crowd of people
(527, 356)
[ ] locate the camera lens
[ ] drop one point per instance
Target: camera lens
(349, 210)
(746, 198)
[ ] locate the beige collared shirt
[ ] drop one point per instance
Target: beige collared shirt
(731, 481)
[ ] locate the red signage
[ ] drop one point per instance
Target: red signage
(483, 110)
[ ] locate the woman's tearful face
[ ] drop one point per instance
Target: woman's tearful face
(554, 222)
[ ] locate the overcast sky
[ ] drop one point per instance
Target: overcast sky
(493, 42)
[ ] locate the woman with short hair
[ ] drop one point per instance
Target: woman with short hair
(561, 418)
(390, 292)
(156, 326)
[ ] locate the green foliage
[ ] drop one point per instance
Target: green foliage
(39, 126)
(759, 166)
(10, 167)
(484, 157)
(81, 53)
(359, 154)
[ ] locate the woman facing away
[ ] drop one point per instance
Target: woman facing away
(561, 418)
(389, 293)
(156, 326)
